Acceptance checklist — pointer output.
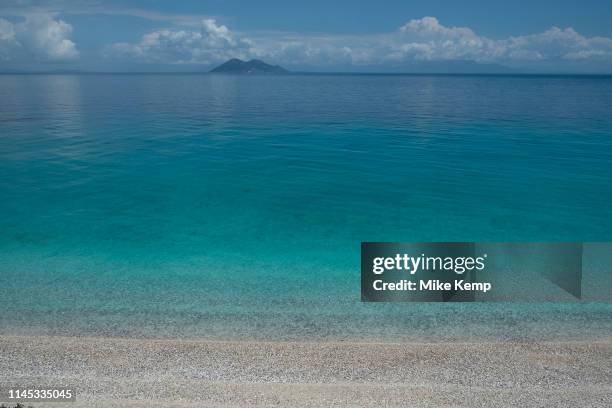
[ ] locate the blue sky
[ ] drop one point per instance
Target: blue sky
(370, 36)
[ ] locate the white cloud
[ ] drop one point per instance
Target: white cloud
(39, 36)
(558, 43)
(48, 37)
(7, 32)
(305, 51)
(212, 42)
(427, 39)
(8, 40)
(424, 39)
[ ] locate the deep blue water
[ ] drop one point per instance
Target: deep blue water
(233, 207)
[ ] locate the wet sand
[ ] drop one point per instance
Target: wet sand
(110, 372)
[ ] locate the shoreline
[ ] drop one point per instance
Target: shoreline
(120, 372)
(340, 342)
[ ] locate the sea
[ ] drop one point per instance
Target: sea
(217, 207)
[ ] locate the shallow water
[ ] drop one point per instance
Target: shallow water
(233, 207)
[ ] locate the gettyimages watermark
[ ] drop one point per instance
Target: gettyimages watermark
(22, 394)
(470, 271)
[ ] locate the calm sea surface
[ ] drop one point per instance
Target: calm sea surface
(224, 207)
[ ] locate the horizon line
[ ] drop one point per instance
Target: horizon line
(357, 73)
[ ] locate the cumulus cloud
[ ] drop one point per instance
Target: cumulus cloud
(558, 43)
(7, 32)
(7, 38)
(305, 51)
(38, 36)
(48, 37)
(211, 42)
(425, 39)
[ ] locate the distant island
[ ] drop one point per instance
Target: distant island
(254, 66)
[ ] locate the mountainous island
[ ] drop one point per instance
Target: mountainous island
(254, 66)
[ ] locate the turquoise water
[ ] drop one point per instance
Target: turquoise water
(222, 207)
